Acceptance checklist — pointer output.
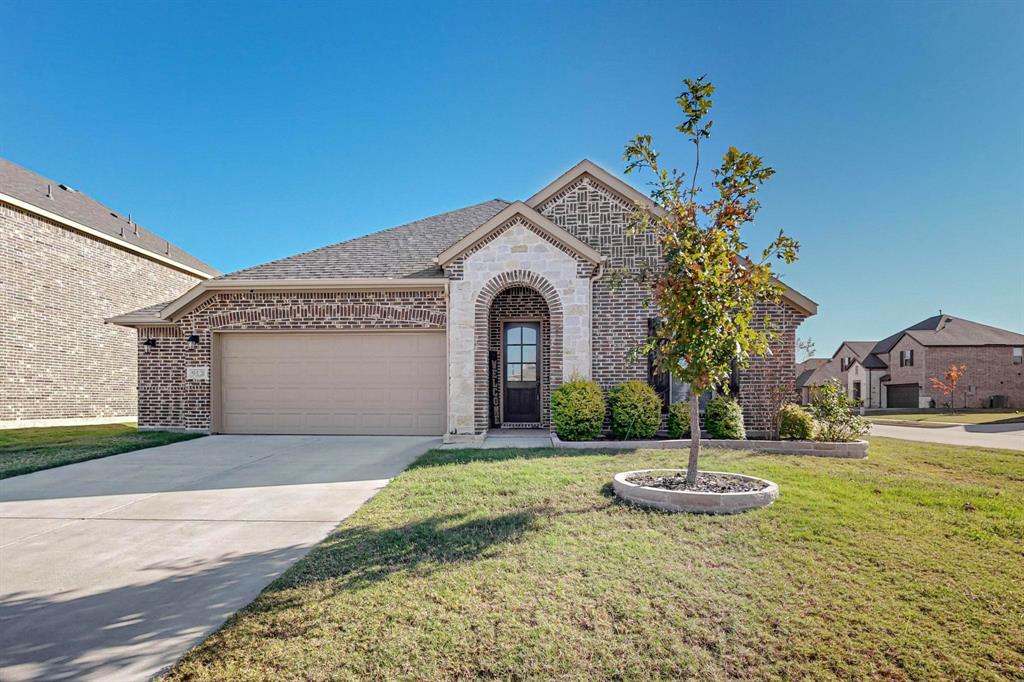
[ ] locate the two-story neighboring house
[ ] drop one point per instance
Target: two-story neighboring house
(66, 263)
(896, 372)
(449, 325)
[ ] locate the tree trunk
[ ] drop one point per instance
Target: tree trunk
(691, 467)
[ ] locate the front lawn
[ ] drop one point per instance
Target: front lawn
(520, 565)
(960, 417)
(26, 450)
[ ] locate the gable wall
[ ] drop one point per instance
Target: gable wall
(59, 360)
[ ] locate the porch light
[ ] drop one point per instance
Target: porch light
(193, 341)
(149, 343)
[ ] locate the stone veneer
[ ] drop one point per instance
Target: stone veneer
(58, 359)
(516, 255)
(167, 399)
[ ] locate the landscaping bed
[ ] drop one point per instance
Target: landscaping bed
(23, 451)
(855, 450)
(521, 564)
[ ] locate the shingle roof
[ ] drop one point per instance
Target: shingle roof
(946, 330)
(31, 188)
(859, 348)
(872, 361)
(399, 252)
(818, 376)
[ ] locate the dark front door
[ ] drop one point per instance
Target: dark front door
(521, 372)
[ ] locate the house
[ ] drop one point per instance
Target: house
(896, 372)
(66, 263)
(451, 325)
(810, 373)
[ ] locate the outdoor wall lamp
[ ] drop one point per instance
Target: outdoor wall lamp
(193, 341)
(149, 343)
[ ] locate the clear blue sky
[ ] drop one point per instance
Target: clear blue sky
(250, 131)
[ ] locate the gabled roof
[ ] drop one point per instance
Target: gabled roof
(512, 210)
(872, 361)
(77, 210)
(818, 376)
(860, 349)
(399, 252)
(946, 330)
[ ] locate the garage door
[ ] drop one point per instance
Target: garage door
(901, 395)
(333, 383)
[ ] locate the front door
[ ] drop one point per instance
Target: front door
(521, 372)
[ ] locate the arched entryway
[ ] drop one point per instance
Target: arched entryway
(518, 351)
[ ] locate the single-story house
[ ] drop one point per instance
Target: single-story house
(450, 325)
(66, 263)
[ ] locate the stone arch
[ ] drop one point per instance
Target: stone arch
(486, 296)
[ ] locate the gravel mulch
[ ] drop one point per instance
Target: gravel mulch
(706, 483)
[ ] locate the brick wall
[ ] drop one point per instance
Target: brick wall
(520, 303)
(990, 371)
(59, 359)
(765, 374)
(167, 399)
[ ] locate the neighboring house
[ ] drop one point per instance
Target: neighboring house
(448, 325)
(896, 372)
(66, 263)
(808, 376)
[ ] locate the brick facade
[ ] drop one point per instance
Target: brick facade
(765, 375)
(990, 372)
(521, 304)
(59, 359)
(168, 399)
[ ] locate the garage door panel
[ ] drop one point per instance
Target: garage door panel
(373, 383)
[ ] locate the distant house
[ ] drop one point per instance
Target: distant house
(810, 373)
(66, 263)
(896, 371)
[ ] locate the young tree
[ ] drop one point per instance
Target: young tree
(707, 289)
(946, 384)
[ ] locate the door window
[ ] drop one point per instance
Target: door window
(520, 353)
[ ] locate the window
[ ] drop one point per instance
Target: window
(906, 358)
(856, 390)
(661, 382)
(1018, 356)
(520, 353)
(844, 363)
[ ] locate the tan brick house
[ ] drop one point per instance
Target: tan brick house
(896, 371)
(449, 325)
(66, 263)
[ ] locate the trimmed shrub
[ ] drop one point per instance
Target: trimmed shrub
(577, 409)
(636, 410)
(723, 418)
(795, 423)
(679, 420)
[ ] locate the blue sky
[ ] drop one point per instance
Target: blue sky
(250, 131)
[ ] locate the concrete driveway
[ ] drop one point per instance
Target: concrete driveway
(1000, 436)
(112, 569)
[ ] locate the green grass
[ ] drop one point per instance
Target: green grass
(23, 451)
(522, 565)
(960, 417)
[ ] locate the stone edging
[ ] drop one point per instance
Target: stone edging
(855, 450)
(693, 501)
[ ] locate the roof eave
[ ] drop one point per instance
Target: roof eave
(103, 236)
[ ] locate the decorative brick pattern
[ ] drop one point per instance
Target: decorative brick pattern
(167, 399)
(58, 359)
(484, 311)
(519, 303)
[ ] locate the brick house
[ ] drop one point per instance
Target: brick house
(66, 263)
(449, 325)
(896, 371)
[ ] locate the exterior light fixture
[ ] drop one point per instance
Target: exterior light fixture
(193, 341)
(149, 343)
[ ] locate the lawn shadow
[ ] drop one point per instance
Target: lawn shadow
(358, 556)
(443, 457)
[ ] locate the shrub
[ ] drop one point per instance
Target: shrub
(834, 417)
(723, 418)
(636, 410)
(679, 420)
(795, 423)
(577, 409)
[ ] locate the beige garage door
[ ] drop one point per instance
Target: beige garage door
(333, 383)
